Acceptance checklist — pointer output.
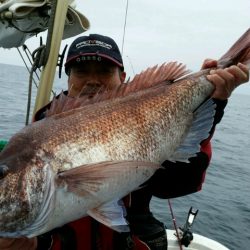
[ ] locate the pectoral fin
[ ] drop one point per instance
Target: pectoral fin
(119, 177)
(203, 119)
(112, 215)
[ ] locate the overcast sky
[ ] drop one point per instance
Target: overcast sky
(157, 31)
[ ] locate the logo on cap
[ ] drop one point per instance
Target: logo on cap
(93, 43)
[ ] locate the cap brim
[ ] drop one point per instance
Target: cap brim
(111, 59)
(76, 23)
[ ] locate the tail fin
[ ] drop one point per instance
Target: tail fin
(239, 52)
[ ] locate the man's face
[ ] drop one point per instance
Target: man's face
(89, 77)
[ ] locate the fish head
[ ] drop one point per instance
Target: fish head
(23, 186)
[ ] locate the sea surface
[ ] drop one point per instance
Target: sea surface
(223, 203)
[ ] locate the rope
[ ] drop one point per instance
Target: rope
(31, 79)
(26, 66)
(40, 57)
(29, 98)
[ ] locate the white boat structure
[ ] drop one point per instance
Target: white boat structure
(199, 242)
(183, 238)
(22, 19)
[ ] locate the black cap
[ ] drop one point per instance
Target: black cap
(93, 47)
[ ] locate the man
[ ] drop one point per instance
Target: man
(94, 62)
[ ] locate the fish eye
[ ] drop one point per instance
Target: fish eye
(3, 171)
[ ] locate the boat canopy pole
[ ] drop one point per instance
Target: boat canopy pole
(48, 72)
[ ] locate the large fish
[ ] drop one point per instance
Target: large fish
(83, 160)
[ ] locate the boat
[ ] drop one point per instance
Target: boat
(199, 242)
(183, 238)
(19, 22)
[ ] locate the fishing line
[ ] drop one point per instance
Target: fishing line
(124, 27)
(131, 65)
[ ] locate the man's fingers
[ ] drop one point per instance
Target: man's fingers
(240, 73)
(222, 90)
(209, 63)
(226, 80)
(244, 67)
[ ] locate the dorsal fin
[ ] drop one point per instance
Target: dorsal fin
(166, 73)
(61, 104)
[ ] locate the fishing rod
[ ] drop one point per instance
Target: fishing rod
(175, 225)
(184, 234)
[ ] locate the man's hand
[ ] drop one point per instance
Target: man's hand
(18, 244)
(226, 80)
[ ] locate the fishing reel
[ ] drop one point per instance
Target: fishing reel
(185, 233)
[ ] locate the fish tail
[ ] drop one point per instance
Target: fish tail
(239, 52)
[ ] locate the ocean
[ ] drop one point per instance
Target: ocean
(223, 202)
